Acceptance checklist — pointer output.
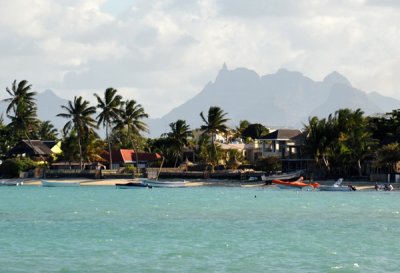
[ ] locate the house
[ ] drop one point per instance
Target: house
(279, 143)
(124, 157)
(285, 144)
(35, 149)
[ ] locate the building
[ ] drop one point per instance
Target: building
(37, 150)
(123, 157)
(285, 144)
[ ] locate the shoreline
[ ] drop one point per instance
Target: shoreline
(191, 183)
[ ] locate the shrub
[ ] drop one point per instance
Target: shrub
(12, 167)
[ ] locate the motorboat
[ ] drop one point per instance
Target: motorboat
(283, 177)
(46, 183)
(337, 186)
(297, 184)
(165, 184)
(133, 185)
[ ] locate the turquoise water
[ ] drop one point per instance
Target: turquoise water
(206, 229)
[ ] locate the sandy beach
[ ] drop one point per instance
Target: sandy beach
(196, 183)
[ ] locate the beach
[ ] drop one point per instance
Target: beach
(190, 183)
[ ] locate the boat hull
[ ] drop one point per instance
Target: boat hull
(165, 184)
(46, 183)
(132, 185)
(332, 188)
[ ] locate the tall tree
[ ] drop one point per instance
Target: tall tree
(22, 109)
(109, 113)
(47, 131)
(214, 123)
(20, 94)
(80, 114)
(131, 117)
(179, 137)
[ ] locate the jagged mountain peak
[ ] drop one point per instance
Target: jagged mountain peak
(336, 78)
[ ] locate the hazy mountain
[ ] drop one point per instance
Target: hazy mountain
(283, 99)
(49, 105)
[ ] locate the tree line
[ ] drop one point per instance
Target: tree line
(340, 144)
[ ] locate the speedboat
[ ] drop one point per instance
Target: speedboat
(337, 186)
(46, 183)
(165, 184)
(133, 185)
(297, 184)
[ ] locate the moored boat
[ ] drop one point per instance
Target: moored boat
(165, 184)
(283, 177)
(133, 185)
(11, 183)
(297, 184)
(46, 183)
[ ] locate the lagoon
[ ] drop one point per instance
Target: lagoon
(197, 229)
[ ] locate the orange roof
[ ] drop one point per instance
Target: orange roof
(128, 156)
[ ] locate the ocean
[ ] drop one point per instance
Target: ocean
(197, 229)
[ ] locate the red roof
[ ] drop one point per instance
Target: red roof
(128, 156)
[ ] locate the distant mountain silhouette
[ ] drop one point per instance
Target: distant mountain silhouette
(49, 105)
(283, 99)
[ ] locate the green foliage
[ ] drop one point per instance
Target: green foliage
(268, 164)
(388, 156)
(12, 167)
(254, 131)
(339, 143)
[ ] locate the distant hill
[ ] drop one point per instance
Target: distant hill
(283, 99)
(49, 105)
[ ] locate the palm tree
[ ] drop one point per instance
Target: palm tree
(131, 115)
(23, 107)
(109, 113)
(179, 136)
(80, 114)
(47, 131)
(214, 123)
(20, 94)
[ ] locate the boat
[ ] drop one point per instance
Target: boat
(46, 183)
(337, 186)
(165, 184)
(297, 184)
(133, 185)
(11, 183)
(284, 176)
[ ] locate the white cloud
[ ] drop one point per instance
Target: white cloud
(162, 52)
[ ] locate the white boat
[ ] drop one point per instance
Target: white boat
(283, 176)
(164, 184)
(11, 183)
(337, 186)
(46, 183)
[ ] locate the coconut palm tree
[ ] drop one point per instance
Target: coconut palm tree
(47, 131)
(179, 137)
(109, 113)
(80, 114)
(131, 116)
(214, 123)
(22, 109)
(20, 94)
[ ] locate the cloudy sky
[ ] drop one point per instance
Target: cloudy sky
(163, 52)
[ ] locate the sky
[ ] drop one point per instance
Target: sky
(163, 52)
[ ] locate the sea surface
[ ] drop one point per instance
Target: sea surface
(202, 229)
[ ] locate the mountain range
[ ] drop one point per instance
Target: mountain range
(285, 99)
